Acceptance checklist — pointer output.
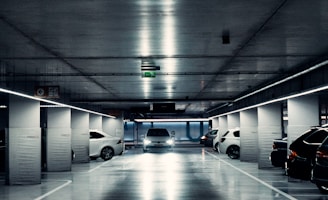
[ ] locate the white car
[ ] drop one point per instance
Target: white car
(104, 145)
(230, 143)
(158, 138)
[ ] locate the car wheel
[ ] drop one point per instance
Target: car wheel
(107, 153)
(233, 152)
(323, 188)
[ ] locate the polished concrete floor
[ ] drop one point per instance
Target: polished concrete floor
(189, 172)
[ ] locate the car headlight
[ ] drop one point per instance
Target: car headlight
(170, 141)
(147, 141)
(203, 137)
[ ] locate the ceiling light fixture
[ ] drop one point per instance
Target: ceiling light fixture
(174, 120)
(275, 100)
(284, 80)
(53, 102)
(150, 68)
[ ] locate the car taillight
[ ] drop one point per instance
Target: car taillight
(222, 139)
(274, 146)
(292, 155)
(321, 154)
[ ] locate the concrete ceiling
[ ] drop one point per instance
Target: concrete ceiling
(210, 52)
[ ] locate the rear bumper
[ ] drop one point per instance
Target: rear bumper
(300, 169)
(278, 158)
(320, 174)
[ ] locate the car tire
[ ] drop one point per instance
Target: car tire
(233, 152)
(323, 188)
(107, 153)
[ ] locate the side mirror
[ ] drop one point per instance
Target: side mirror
(172, 133)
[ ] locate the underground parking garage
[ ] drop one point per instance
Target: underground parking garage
(81, 85)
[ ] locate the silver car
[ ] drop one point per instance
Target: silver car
(158, 138)
(104, 145)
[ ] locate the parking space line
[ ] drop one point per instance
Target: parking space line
(254, 178)
(104, 163)
(54, 190)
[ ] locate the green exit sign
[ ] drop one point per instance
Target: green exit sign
(149, 74)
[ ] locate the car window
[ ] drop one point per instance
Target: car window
(236, 133)
(316, 137)
(213, 132)
(95, 135)
(299, 141)
(158, 132)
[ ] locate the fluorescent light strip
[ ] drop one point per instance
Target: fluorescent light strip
(274, 101)
(53, 102)
(284, 80)
(174, 120)
(51, 106)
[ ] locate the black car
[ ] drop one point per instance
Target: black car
(2, 150)
(208, 138)
(320, 169)
(302, 155)
(278, 155)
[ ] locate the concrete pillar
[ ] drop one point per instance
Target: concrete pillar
(248, 135)
(80, 136)
(58, 140)
(233, 120)
(114, 127)
(269, 128)
(303, 112)
(223, 127)
(24, 142)
(95, 122)
(215, 123)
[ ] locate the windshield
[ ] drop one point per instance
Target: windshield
(158, 132)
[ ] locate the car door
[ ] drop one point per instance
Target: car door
(95, 143)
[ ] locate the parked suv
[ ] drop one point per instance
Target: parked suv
(230, 143)
(320, 170)
(158, 138)
(302, 154)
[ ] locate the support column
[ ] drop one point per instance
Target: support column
(303, 112)
(215, 123)
(269, 128)
(223, 127)
(248, 135)
(233, 120)
(24, 142)
(58, 140)
(113, 126)
(95, 122)
(80, 136)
